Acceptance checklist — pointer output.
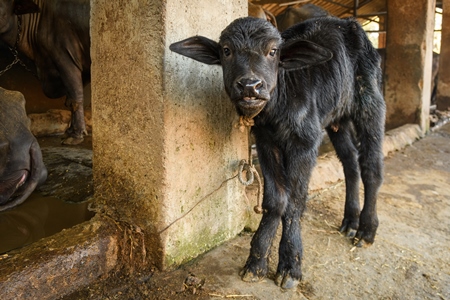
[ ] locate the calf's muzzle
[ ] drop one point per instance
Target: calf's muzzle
(249, 88)
(251, 101)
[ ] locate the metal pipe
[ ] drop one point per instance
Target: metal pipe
(355, 8)
(381, 13)
(338, 4)
(293, 2)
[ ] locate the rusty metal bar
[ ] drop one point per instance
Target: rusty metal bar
(355, 8)
(337, 3)
(381, 13)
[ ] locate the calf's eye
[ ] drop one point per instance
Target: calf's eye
(273, 52)
(226, 51)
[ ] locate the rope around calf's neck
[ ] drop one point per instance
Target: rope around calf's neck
(249, 167)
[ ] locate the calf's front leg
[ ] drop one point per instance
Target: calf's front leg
(299, 168)
(256, 267)
(274, 204)
(290, 252)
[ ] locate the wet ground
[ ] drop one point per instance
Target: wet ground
(60, 203)
(410, 258)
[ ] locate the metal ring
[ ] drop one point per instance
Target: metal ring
(244, 166)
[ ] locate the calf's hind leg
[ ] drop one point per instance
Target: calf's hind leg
(366, 163)
(344, 145)
(371, 165)
(369, 121)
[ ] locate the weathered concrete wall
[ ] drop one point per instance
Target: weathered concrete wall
(203, 147)
(443, 90)
(408, 85)
(163, 139)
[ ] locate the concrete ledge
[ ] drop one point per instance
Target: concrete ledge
(401, 137)
(55, 122)
(60, 264)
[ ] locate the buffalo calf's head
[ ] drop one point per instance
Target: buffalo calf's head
(251, 51)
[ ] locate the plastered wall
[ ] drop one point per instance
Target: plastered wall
(164, 139)
(409, 47)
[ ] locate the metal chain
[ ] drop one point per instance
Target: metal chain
(8, 67)
(15, 52)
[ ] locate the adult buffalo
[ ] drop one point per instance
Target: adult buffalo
(55, 34)
(21, 165)
(258, 12)
(293, 15)
(321, 73)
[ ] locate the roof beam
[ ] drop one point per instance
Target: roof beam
(261, 2)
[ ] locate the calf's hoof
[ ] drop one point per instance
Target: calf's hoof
(361, 243)
(350, 233)
(365, 236)
(363, 240)
(286, 281)
(249, 276)
(349, 227)
(72, 141)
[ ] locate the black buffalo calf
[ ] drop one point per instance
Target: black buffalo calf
(322, 73)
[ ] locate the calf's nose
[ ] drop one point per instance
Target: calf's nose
(249, 87)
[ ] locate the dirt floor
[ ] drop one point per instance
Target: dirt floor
(410, 258)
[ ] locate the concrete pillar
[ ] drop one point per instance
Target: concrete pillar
(163, 139)
(443, 88)
(409, 62)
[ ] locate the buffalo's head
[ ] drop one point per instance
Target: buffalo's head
(251, 51)
(21, 165)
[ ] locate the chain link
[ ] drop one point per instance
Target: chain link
(8, 67)
(15, 52)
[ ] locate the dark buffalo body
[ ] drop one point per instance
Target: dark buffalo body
(293, 15)
(322, 73)
(55, 35)
(21, 165)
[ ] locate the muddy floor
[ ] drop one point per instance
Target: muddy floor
(60, 203)
(410, 258)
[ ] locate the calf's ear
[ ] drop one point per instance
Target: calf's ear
(22, 7)
(199, 48)
(301, 54)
